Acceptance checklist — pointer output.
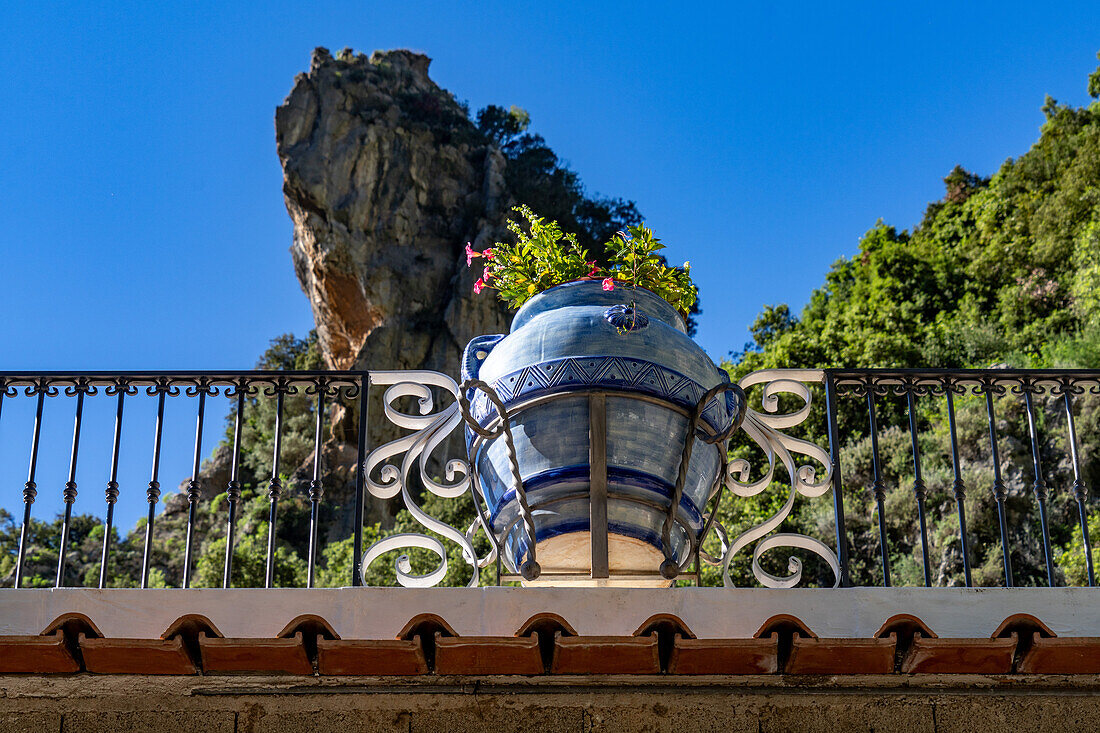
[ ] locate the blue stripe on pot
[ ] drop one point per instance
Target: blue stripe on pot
(623, 481)
(560, 506)
(640, 442)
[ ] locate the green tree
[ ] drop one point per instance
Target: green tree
(999, 271)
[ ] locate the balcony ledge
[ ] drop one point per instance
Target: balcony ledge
(707, 613)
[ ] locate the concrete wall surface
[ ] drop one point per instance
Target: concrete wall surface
(248, 704)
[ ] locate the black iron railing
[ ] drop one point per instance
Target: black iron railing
(1040, 400)
(913, 454)
(322, 387)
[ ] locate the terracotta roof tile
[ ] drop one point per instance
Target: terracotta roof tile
(189, 626)
(425, 623)
(905, 625)
(371, 657)
(47, 654)
(959, 656)
(136, 656)
(279, 656)
(605, 655)
(310, 624)
(488, 655)
(725, 656)
(665, 623)
(546, 623)
(841, 656)
(1024, 624)
(785, 624)
(72, 624)
(1070, 655)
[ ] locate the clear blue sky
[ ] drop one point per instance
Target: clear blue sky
(143, 221)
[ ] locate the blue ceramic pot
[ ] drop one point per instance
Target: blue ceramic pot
(566, 344)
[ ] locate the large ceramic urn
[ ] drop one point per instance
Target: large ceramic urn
(599, 388)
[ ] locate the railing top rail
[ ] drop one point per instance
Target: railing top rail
(1074, 381)
(221, 374)
(191, 380)
(992, 373)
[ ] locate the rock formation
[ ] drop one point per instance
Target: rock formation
(386, 179)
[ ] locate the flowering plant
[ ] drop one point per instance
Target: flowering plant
(543, 256)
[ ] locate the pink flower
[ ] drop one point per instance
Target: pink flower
(479, 286)
(608, 283)
(470, 255)
(594, 268)
(487, 275)
(488, 253)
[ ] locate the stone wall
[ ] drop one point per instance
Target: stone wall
(248, 704)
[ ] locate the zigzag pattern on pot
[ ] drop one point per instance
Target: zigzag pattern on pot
(611, 372)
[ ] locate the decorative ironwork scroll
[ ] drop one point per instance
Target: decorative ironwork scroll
(404, 461)
(766, 430)
(394, 468)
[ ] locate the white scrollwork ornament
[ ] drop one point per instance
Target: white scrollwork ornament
(765, 429)
(431, 429)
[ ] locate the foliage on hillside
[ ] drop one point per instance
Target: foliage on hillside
(1002, 271)
(538, 178)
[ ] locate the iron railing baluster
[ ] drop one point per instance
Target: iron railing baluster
(838, 485)
(919, 489)
(957, 485)
(316, 488)
(360, 480)
(152, 494)
(233, 491)
(878, 488)
(69, 493)
(111, 493)
(275, 485)
(1080, 490)
(194, 486)
(30, 489)
(1000, 493)
(1039, 487)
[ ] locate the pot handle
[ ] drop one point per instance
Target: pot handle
(476, 352)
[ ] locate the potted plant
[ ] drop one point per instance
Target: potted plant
(600, 384)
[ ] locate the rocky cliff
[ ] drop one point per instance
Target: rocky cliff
(386, 179)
